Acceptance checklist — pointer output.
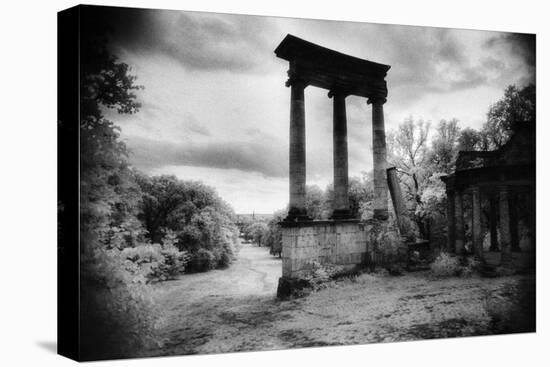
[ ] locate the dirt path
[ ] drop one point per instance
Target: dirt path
(236, 309)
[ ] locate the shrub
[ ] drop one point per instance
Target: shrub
(274, 234)
(155, 262)
(225, 255)
(320, 274)
(118, 313)
(198, 218)
(202, 260)
(445, 266)
(469, 267)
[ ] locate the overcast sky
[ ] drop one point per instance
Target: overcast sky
(215, 107)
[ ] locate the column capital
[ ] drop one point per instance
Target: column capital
(505, 189)
(337, 92)
(291, 82)
(295, 80)
(376, 100)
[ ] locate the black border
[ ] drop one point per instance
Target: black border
(68, 157)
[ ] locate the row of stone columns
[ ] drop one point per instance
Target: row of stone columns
(508, 222)
(297, 155)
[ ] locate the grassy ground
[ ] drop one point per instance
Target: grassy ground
(236, 309)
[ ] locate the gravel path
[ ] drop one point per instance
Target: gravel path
(236, 309)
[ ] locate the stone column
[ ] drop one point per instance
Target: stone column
(451, 221)
(297, 152)
(340, 205)
(493, 208)
(459, 221)
(504, 210)
(514, 230)
(379, 158)
(532, 217)
(477, 241)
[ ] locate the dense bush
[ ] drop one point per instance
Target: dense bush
(320, 274)
(257, 231)
(203, 260)
(118, 315)
(202, 223)
(273, 238)
(154, 261)
(445, 265)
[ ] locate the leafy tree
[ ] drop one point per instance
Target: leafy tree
(361, 195)
(108, 194)
(444, 146)
(274, 236)
(257, 231)
(470, 139)
(203, 223)
(420, 167)
(116, 315)
(408, 152)
(517, 106)
(315, 200)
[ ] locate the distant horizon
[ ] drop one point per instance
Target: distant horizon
(260, 214)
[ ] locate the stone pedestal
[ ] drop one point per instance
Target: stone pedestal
(344, 245)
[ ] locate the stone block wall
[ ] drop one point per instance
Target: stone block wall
(346, 244)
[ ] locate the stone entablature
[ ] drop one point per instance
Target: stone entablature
(328, 69)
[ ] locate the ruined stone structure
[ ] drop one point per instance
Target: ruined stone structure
(506, 179)
(342, 240)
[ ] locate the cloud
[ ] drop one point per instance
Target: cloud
(430, 60)
(199, 41)
(266, 159)
(520, 45)
(247, 192)
(523, 44)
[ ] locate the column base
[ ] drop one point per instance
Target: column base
(341, 214)
(297, 215)
(459, 247)
(381, 214)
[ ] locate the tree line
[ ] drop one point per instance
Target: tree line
(135, 229)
